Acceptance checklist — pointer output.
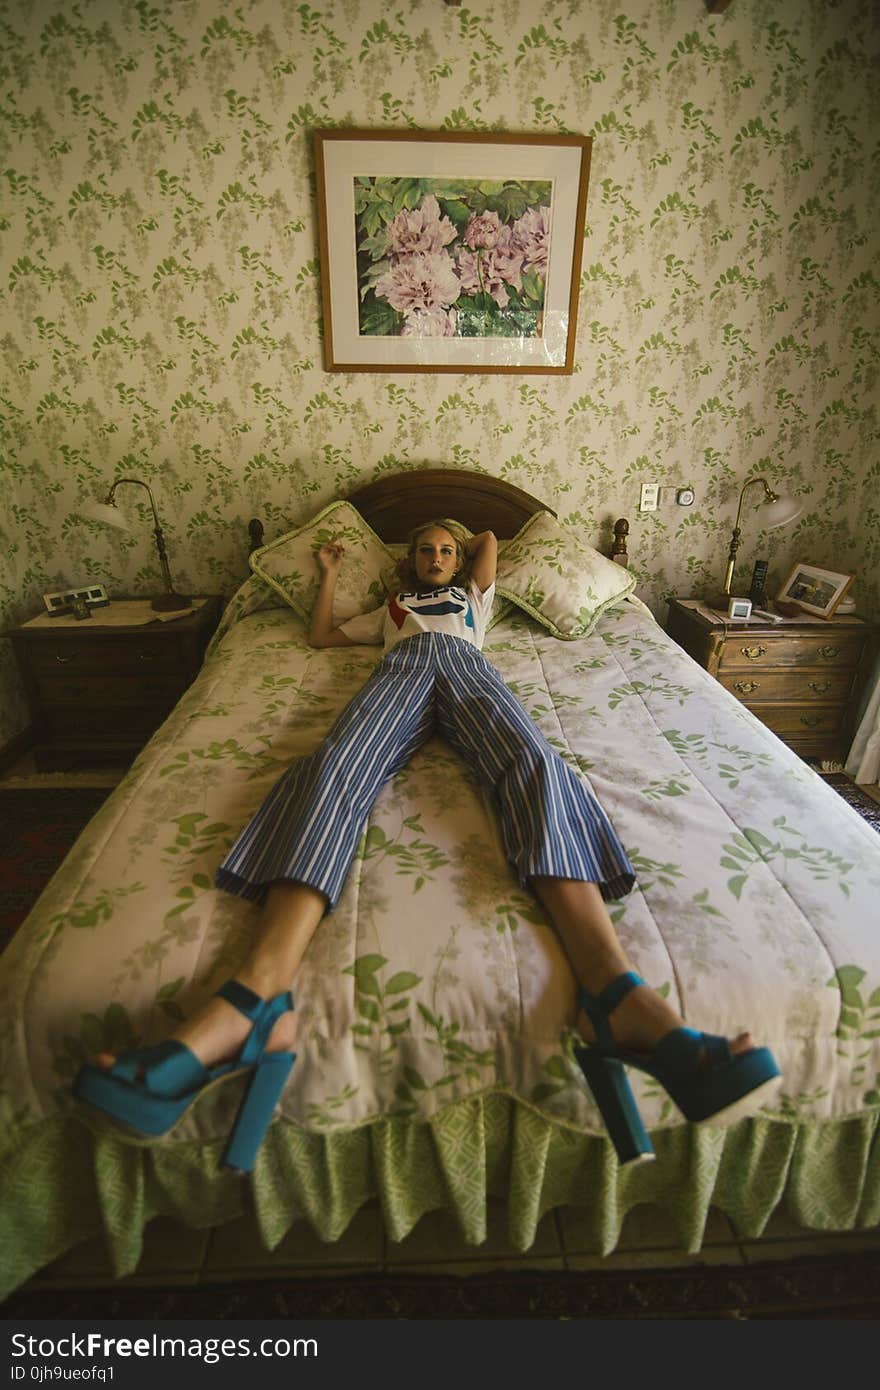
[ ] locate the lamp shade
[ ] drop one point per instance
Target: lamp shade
(780, 512)
(108, 513)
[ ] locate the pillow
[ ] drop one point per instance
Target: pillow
(550, 573)
(290, 565)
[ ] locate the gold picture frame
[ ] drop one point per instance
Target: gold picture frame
(815, 590)
(450, 252)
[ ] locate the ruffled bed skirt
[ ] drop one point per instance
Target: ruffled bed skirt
(65, 1183)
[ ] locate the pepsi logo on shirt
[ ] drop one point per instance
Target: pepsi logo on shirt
(430, 602)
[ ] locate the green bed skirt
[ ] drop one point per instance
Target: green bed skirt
(65, 1183)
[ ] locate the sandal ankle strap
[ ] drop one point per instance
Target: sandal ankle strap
(263, 1014)
(599, 1007)
(241, 998)
(614, 993)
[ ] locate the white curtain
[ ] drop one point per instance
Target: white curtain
(863, 760)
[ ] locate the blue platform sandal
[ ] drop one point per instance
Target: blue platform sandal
(151, 1089)
(697, 1070)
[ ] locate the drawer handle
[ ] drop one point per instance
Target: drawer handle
(752, 653)
(820, 687)
(811, 720)
(146, 656)
(64, 659)
(745, 687)
(828, 653)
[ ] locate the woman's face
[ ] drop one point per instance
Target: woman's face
(436, 557)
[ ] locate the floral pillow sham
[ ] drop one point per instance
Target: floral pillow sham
(290, 567)
(564, 584)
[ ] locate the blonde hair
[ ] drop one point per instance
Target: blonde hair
(458, 534)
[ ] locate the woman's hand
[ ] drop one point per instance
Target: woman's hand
(330, 556)
(322, 632)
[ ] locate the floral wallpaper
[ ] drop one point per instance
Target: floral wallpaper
(160, 282)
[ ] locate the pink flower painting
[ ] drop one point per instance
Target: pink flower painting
(420, 282)
(447, 258)
(421, 232)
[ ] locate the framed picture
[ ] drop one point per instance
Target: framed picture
(446, 252)
(814, 590)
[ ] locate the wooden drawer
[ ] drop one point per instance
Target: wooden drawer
(824, 650)
(123, 654)
(82, 724)
(108, 690)
(805, 721)
(757, 684)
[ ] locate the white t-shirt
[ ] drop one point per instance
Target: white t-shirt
(459, 612)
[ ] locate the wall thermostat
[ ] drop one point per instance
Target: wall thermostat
(685, 496)
(739, 608)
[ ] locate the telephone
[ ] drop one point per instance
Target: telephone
(759, 579)
(94, 595)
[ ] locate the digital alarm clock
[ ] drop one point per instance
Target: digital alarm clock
(739, 608)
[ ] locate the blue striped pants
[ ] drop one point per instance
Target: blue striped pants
(308, 828)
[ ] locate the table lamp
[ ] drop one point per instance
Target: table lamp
(109, 513)
(780, 511)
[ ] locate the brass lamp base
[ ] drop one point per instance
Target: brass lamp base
(170, 602)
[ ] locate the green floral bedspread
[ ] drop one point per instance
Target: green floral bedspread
(432, 1060)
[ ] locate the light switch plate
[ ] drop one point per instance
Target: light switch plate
(95, 596)
(650, 497)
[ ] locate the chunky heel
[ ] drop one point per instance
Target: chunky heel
(606, 1078)
(256, 1110)
(150, 1090)
(698, 1071)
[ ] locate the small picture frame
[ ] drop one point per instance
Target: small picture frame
(814, 590)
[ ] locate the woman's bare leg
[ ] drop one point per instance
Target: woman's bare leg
(290, 916)
(578, 912)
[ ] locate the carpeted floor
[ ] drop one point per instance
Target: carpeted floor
(860, 800)
(821, 1287)
(37, 828)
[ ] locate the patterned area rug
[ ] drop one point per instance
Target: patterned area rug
(37, 828)
(839, 1286)
(858, 798)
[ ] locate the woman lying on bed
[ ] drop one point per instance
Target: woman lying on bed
(294, 856)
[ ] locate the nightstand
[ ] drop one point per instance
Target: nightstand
(100, 687)
(801, 678)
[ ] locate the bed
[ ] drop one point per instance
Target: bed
(434, 1069)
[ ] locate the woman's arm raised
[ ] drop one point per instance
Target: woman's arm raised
(483, 554)
(322, 633)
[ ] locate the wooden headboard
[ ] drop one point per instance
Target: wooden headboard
(393, 505)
